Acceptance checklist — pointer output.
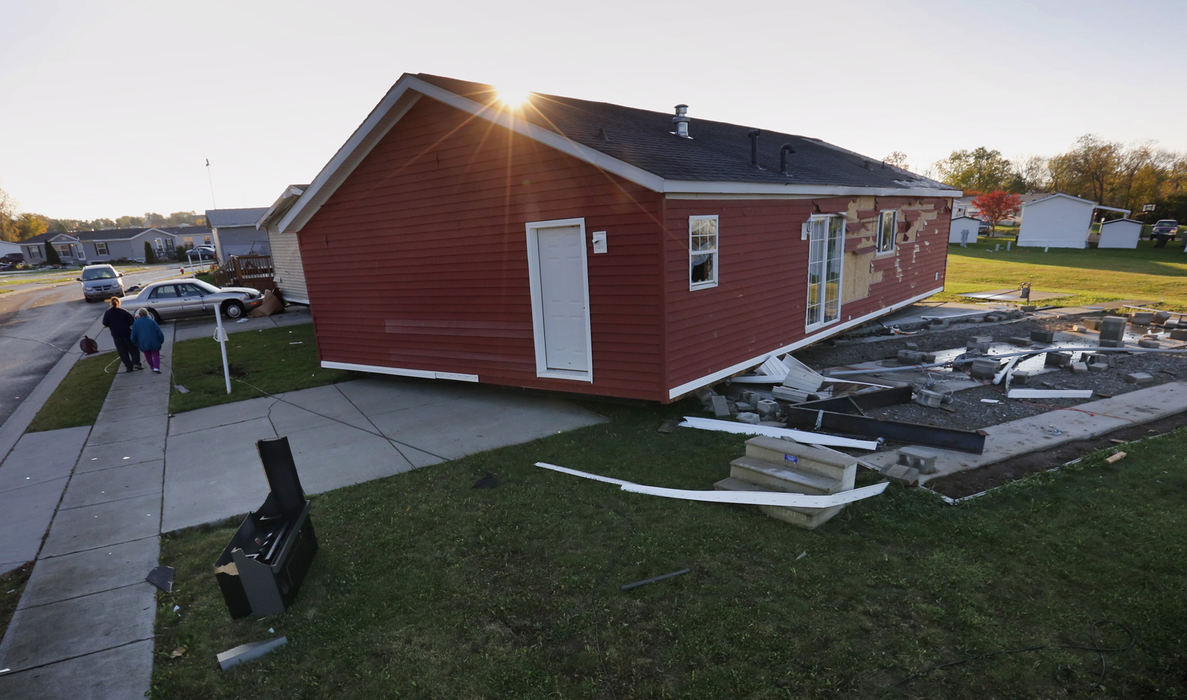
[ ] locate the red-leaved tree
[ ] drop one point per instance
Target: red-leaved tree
(997, 205)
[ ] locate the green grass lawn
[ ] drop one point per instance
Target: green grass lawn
(425, 586)
(80, 396)
(1088, 276)
(272, 360)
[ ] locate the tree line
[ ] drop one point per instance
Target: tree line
(20, 226)
(1107, 172)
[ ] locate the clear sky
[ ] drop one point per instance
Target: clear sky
(111, 107)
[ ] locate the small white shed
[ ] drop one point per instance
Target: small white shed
(1120, 233)
(1058, 221)
(962, 229)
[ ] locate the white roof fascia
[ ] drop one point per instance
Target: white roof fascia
(673, 187)
(282, 204)
(970, 218)
(1124, 212)
(1059, 194)
(394, 105)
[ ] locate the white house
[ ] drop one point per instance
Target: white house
(287, 270)
(1119, 233)
(1058, 221)
(963, 229)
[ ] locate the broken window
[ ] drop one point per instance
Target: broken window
(887, 226)
(702, 252)
(826, 244)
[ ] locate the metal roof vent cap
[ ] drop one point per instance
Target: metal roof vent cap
(681, 121)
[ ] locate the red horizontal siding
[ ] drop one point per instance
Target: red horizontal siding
(759, 304)
(419, 259)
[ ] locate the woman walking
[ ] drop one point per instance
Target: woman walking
(119, 322)
(148, 337)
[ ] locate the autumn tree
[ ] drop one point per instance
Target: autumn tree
(996, 206)
(978, 170)
(30, 225)
(898, 159)
(7, 218)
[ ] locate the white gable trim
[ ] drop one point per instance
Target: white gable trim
(1058, 194)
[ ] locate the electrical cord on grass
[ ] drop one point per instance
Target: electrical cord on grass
(1099, 649)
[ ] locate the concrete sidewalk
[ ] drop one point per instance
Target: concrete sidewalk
(84, 625)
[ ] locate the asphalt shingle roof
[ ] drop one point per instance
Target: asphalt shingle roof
(223, 218)
(717, 151)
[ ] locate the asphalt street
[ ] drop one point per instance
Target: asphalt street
(39, 323)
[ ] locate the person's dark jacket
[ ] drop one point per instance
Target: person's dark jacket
(119, 322)
(147, 334)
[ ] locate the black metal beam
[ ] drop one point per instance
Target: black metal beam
(859, 403)
(899, 431)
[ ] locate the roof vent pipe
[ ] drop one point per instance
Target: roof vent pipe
(681, 121)
(787, 148)
(754, 147)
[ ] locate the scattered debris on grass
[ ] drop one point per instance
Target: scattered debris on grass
(247, 652)
(162, 578)
(653, 579)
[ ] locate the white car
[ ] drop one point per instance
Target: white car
(192, 297)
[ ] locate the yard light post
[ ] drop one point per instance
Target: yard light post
(220, 334)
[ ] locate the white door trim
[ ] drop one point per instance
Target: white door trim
(542, 370)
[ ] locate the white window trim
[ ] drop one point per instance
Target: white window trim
(880, 234)
(542, 369)
(105, 251)
(708, 284)
(840, 276)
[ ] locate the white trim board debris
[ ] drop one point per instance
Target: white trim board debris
(808, 438)
(1049, 394)
(749, 498)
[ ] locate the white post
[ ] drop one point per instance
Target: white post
(220, 334)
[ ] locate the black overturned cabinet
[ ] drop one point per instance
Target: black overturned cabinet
(261, 570)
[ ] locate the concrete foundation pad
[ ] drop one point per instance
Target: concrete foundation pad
(311, 407)
(122, 672)
(103, 525)
(117, 483)
(93, 571)
(334, 455)
(83, 625)
(121, 454)
(215, 473)
(1047, 430)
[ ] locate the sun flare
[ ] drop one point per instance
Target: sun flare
(513, 98)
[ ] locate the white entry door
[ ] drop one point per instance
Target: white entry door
(560, 299)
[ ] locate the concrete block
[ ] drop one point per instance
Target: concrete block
(1149, 343)
(916, 458)
(1110, 343)
(902, 474)
(926, 397)
(1161, 316)
(721, 406)
(1019, 341)
(928, 358)
(1179, 334)
(984, 368)
(1093, 324)
(767, 408)
(911, 345)
(1077, 328)
(705, 396)
(1058, 359)
(1112, 328)
(751, 418)
(1079, 366)
(1139, 378)
(1042, 336)
(743, 406)
(1141, 318)
(1020, 378)
(909, 357)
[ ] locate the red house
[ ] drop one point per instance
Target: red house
(592, 248)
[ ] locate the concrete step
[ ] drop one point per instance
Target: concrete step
(807, 518)
(778, 476)
(804, 458)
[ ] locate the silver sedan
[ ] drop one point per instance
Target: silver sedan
(192, 297)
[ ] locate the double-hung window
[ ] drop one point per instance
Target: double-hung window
(702, 252)
(887, 227)
(826, 247)
(100, 248)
